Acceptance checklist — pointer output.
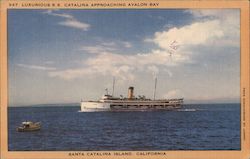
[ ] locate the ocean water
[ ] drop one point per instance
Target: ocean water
(194, 127)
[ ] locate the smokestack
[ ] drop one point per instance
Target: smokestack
(130, 92)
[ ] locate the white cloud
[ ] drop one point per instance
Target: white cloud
(63, 15)
(36, 67)
(120, 65)
(222, 14)
(229, 23)
(194, 34)
(170, 74)
(70, 21)
(210, 27)
(70, 73)
(127, 44)
(105, 47)
(75, 24)
(97, 49)
(49, 62)
(173, 94)
(111, 44)
(174, 49)
(154, 70)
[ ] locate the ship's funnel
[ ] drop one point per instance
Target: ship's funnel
(130, 92)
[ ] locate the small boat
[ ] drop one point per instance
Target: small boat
(29, 126)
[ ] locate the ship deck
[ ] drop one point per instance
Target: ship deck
(139, 101)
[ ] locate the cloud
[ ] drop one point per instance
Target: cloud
(70, 21)
(105, 47)
(36, 67)
(127, 44)
(223, 14)
(194, 34)
(170, 74)
(97, 49)
(120, 65)
(75, 24)
(229, 23)
(63, 15)
(172, 94)
(49, 62)
(154, 70)
(174, 48)
(210, 28)
(111, 44)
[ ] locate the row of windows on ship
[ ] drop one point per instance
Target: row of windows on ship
(125, 105)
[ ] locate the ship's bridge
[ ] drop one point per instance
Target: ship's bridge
(108, 97)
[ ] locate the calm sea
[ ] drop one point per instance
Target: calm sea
(195, 127)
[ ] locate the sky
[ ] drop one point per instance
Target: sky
(65, 56)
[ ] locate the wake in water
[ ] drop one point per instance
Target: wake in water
(187, 110)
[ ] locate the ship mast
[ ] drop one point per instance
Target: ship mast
(113, 89)
(155, 87)
(107, 91)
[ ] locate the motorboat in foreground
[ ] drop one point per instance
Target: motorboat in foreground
(29, 126)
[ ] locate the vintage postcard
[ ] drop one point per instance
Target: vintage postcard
(124, 79)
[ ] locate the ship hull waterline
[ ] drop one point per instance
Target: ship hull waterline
(129, 106)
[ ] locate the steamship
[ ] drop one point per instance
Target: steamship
(130, 103)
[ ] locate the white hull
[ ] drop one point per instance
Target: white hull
(130, 105)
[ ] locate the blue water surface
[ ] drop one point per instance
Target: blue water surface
(194, 127)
